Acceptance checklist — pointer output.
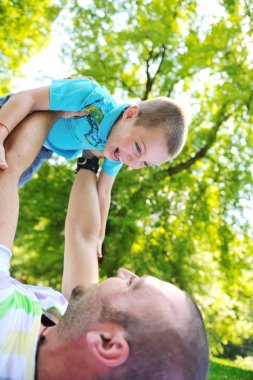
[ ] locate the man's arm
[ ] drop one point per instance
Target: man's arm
(82, 230)
(105, 183)
(21, 148)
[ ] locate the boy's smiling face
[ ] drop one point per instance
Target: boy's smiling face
(135, 145)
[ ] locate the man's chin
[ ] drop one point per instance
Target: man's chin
(80, 291)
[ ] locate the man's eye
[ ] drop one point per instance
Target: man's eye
(138, 148)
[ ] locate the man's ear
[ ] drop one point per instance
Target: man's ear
(109, 344)
(131, 112)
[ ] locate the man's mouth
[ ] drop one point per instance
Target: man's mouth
(116, 155)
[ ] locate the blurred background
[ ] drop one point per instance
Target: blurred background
(189, 221)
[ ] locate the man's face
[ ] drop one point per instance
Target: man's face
(135, 145)
(144, 296)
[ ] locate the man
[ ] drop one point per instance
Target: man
(125, 328)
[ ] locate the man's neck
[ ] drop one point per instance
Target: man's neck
(41, 340)
(56, 358)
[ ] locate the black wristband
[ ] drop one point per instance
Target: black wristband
(87, 163)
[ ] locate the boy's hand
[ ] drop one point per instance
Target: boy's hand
(3, 163)
(99, 247)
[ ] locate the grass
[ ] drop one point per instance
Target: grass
(225, 370)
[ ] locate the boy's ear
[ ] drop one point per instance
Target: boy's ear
(109, 345)
(131, 112)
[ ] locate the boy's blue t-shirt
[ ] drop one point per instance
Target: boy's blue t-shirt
(68, 137)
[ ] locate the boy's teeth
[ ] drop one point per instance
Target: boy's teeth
(117, 155)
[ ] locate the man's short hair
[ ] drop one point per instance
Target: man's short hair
(158, 351)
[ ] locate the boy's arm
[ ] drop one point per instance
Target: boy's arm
(18, 107)
(21, 104)
(105, 183)
(82, 229)
(22, 146)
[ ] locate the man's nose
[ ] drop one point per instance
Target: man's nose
(125, 274)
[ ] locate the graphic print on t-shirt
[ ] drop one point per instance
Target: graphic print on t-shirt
(94, 118)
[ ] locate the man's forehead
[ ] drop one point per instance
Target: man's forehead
(164, 287)
(171, 298)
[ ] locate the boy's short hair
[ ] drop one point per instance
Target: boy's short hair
(165, 113)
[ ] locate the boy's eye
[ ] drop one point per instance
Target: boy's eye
(138, 148)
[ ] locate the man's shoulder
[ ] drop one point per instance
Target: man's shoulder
(50, 300)
(5, 257)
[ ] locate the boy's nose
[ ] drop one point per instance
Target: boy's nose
(132, 161)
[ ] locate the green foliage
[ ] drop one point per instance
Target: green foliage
(185, 222)
(25, 27)
(225, 370)
(185, 225)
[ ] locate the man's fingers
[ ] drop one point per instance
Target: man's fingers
(82, 113)
(69, 114)
(81, 76)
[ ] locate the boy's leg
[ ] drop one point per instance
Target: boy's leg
(21, 147)
(3, 99)
(43, 155)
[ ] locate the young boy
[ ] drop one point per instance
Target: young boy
(146, 134)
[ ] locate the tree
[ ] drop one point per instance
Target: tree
(188, 216)
(25, 27)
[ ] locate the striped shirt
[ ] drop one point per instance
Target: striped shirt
(21, 307)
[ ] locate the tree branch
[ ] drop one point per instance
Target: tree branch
(203, 151)
(129, 89)
(163, 51)
(150, 80)
(249, 103)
